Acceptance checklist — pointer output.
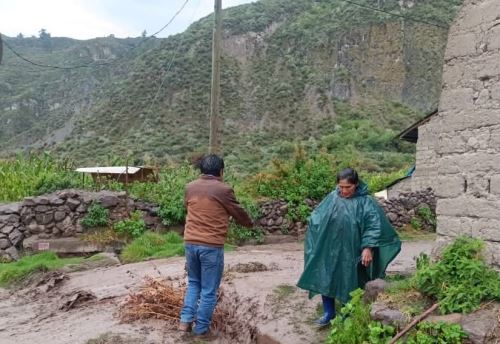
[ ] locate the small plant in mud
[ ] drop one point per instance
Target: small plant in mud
(283, 291)
(97, 216)
(133, 227)
(427, 216)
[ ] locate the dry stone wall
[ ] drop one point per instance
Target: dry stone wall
(462, 143)
(60, 214)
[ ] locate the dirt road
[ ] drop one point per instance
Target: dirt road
(285, 313)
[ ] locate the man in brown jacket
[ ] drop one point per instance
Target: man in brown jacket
(210, 203)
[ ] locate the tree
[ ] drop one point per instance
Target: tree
(45, 38)
(20, 35)
(144, 33)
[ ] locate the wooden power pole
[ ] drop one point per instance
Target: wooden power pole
(214, 144)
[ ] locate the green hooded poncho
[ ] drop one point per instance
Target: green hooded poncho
(338, 230)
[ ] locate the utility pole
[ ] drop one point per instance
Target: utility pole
(215, 96)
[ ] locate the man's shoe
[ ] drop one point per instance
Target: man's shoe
(208, 336)
(184, 327)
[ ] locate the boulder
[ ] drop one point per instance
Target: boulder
(108, 201)
(11, 208)
(59, 216)
(13, 253)
(373, 288)
(388, 316)
(16, 237)
(4, 243)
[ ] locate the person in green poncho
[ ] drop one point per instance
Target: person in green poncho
(349, 242)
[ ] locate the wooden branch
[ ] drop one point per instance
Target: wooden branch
(414, 322)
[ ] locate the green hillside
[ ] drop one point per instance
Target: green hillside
(325, 73)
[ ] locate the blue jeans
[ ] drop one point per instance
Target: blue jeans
(205, 266)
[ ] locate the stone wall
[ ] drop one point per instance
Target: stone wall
(464, 138)
(59, 215)
(406, 206)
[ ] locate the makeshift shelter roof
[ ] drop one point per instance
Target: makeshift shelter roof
(109, 170)
(411, 134)
(123, 174)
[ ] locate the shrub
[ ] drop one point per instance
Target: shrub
(460, 280)
(441, 332)
(133, 227)
(238, 235)
(354, 326)
(97, 216)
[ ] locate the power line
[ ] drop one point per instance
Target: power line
(414, 19)
(91, 64)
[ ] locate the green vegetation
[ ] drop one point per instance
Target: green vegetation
(284, 91)
(153, 246)
(133, 227)
(238, 235)
(430, 333)
(460, 280)
(33, 175)
(11, 273)
(97, 216)
(354, 326)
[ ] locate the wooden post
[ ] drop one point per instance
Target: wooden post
(215, 96)
(126, 187)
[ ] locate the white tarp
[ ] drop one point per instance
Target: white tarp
(109, 170)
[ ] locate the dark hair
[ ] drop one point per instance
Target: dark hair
(211, 164)
(348, 174)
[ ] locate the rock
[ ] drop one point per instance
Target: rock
(10, 218)
(34, 228)
(66, 225)
(373, 288)
(44, 218)
(41, 200)
(56, 201)
(59, 216)
(42, 208)
(16, 237)
(72, 203)
(483, 325)
(11, 208)
(82, 208)
(386, 315)
(13, 253)
(108, 201)
(67, 194)
(7, 229)
(4, 243)
(28, 202)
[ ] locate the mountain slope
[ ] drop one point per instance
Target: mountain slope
(292, 70)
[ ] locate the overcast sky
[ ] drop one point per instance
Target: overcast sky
(84, 19)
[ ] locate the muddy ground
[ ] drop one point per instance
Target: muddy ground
(82, 308)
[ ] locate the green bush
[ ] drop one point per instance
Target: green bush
(238, 235)
(436, 333)
(354, 325)
(460, 280)
(133, 227)
(30, 175)
(301, 178)
(97, 216)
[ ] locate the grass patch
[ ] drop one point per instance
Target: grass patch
(153, 246)
(15, 272)
(283, 291)
(408, 233)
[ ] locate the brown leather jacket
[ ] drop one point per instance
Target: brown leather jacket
(210, 203)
